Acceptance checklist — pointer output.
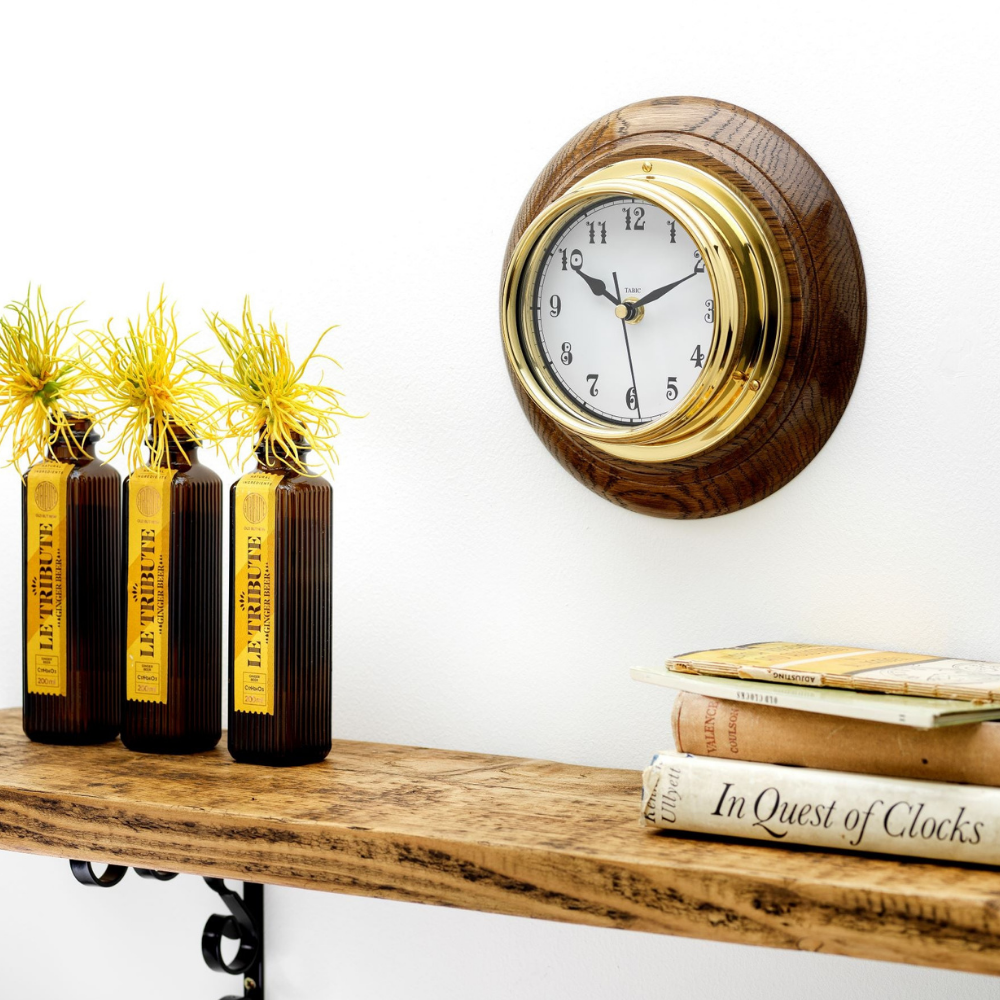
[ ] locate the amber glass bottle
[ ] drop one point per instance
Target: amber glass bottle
(70, 523)
(172, 617)
(280, 626)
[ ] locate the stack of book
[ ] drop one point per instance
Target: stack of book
(832, 746)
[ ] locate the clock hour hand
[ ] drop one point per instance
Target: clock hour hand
(657, 292)
(597, 286)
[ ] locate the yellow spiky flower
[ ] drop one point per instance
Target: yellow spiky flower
(39, 382)
(270, 402)
(147, 385)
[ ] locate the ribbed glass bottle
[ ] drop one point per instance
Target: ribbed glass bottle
(184, 715)
(297, 729)
(90, 709)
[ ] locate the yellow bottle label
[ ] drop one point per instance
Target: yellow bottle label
(253, 593)
(45, 577)
(148, 585)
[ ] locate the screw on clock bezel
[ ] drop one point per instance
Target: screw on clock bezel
(752, 309)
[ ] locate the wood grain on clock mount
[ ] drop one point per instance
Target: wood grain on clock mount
(828, 308)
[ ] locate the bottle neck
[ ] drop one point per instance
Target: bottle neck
(82, 442)
(180, 447)
(272, 458)
(181, 456)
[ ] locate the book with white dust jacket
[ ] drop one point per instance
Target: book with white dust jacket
(825, 809)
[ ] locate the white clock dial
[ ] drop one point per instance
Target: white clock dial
(623, 311)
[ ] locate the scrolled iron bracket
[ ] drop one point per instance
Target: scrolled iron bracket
(245, 923)
(83, 872)
(152, 873)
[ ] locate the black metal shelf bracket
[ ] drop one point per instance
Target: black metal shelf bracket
(244, 923)
(83, 872)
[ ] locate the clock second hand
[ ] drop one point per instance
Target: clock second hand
(628, 350)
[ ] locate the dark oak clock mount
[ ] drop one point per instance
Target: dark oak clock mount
(683, 307)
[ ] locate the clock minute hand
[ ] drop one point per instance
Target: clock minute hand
(597, 286)
(657, 292)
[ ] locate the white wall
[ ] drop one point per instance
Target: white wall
(363, 164)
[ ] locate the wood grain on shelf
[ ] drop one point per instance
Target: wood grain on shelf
(500, 834)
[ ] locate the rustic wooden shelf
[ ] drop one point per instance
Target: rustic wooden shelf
(501, 834)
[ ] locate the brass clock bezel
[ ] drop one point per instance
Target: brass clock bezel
(752, 314)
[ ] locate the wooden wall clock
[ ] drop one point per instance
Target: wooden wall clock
(683, 307)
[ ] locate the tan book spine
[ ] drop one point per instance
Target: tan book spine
(730, 730)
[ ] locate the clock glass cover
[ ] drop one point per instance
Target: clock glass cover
(622, 311)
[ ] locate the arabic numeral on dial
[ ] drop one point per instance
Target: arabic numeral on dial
(567, 353)
(710, 315)
(699, 263)
(634, 218)
(575, 259)
(592, 379)
(555, 305)
(593, 227)
(672, 387)
(565, 261)
(698, 358)
(673, 230)
(630, 400)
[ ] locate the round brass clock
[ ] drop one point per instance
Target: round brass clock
(683, 307)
